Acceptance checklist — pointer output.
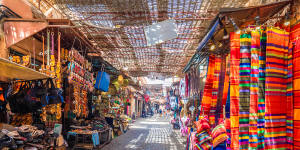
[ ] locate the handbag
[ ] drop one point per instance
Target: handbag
(102, 81)
(17, 100)
(54, 95)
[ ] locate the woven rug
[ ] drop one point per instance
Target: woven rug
(261, 92)
(244, 88)
(276, 87)
(234, 89)
(295, 37)
(207, 92)
(215, 89)
(254, 78)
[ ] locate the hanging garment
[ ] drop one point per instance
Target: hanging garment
(234, 88)
(244, 87)
(254, 78)
(295, 35)
(187, 85)
(182, 88)
(215, 88)
(276, 86)
(261, 92)
(207, 94)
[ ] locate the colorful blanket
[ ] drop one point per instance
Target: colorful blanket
(234, 88)
(276, 87)
(244, 87)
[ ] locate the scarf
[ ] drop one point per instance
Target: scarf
(261, 92)
(276, 87)
(234, 89)
(244, 88)
(255, 50)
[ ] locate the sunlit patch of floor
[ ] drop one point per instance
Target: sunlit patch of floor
(133, 143)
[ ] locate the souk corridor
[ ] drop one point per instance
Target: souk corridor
(151, 133)
(149, 74)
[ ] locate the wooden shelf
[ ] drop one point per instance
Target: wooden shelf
(13, 71)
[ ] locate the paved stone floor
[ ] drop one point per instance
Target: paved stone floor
(152, 133)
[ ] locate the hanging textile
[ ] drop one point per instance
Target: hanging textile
(187, 85)
(276, 85)
(207, 94)
(226, 82)
(220, 105)
(215, 89)
(255, 50)
(227, 120)
(244, 88)
(234, 89)
(261, 91)
(290, 101)
(295, 35)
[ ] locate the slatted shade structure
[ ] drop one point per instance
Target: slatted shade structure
(115, 27)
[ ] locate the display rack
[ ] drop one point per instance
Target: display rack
(12, 71)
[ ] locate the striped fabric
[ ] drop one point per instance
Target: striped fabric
(227, 120)
(290, 101)
(254, 78)
(207, 93)
(215, 89)
(261, 92)
(244, 88)
(275, 91)
(234, 89)
(226, 83)
(295, 37)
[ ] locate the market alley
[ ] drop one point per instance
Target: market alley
(152, 133)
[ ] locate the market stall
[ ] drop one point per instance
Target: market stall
(247, 84)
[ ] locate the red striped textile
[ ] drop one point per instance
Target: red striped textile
(295, 38)
(276, 87)
(215, 89)
(234, 88)
(290, 101)
(226, 83)
(207, 92)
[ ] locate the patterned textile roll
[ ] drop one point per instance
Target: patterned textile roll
(276, 87)
(261, 92)
(244, 102)
(255, 50)
(295, 37)
(234, 88)
(207, 94)
(212, 113)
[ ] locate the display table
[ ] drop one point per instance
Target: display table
(88, 141)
